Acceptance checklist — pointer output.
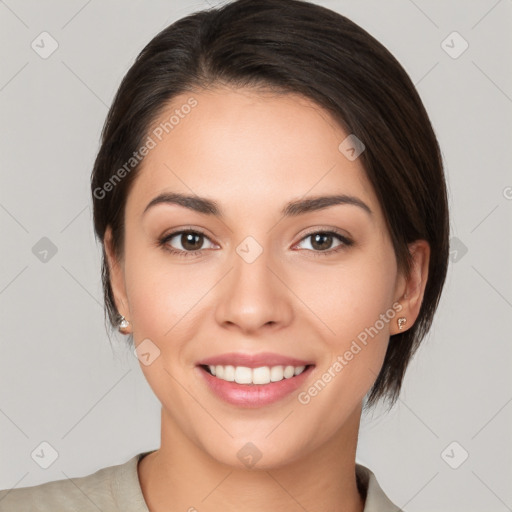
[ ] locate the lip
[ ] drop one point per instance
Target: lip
(253, 395)
(253, 360)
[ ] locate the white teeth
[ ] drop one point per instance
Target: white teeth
(299, 370)
(243, 375)
(229, 373)
(276, 373)
(288, 372)
(260, 375)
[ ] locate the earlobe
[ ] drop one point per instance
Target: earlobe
(414, 286)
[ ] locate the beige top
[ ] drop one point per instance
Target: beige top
(117, 489)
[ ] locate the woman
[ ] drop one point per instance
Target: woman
(271, 201)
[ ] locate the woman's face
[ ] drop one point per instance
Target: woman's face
(271, 274)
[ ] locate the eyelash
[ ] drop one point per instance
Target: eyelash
(346, 242)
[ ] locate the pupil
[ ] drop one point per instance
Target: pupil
(319, 241)
(187, 240)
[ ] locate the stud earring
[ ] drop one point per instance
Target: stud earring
(401, 322)
(123, 325)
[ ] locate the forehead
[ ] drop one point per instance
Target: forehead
(247, 148)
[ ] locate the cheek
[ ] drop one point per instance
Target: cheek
(352, 296)
(163, 297)
(356, 305)
(354, 302)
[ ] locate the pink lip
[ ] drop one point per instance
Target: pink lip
(253, 395)
(253, 360)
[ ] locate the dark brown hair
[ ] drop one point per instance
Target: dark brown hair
(293, 46)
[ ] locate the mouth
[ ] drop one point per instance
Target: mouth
(252, 387)
(254, 376)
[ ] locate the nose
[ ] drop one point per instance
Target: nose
(253, 296)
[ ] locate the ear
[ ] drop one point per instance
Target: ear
(116, 273)
(410, 290)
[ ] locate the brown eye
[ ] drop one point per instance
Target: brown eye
(321, 241)
(185, 242)
(191, 241)
(324, 241)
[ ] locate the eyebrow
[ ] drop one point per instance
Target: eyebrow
(291, 209)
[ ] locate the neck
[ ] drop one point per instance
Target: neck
(181, 476)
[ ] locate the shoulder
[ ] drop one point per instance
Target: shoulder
(111, 488)
(81, 493)
(376, 498)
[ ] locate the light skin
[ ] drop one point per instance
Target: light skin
(252, 153)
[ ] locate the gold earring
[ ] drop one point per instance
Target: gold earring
(401, 322)
(123, 325)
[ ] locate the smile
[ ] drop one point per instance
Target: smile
(259, 376)
(246, 387)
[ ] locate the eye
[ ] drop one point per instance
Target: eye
(189, 242)
(322, 242)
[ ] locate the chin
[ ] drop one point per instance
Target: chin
(254, 454)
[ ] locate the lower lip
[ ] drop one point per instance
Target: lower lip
(254, 395)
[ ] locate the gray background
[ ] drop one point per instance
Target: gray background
(62, 383)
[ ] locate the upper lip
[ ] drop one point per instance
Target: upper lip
(253, 360)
